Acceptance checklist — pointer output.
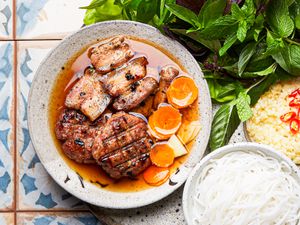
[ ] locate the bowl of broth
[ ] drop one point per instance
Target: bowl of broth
(119, 114)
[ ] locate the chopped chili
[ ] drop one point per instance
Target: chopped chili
(288, 116)
(295, 93)
(295, 102)
(294, 126)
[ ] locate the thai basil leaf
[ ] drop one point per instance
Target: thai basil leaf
(229, 41)
(211, 11)
(265, 72)
(146, 10)
(243, 106)
(220, 28)
(260, 87)
(245, 57)
(194, 5)
(225, 122)
(223, 90)
(213, 45)
(183, 14)
(258, 26)
(277, 15)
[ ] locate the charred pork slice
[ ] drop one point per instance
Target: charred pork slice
(119, 80)
(108, 56)
(137, 93)
(167, 74)
(122, 146)
(88, 96)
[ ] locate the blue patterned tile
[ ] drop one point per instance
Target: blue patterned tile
(6, 125)
(6, 16)
(48, 19)
(6, 218)
(36, 188)
(57, 219)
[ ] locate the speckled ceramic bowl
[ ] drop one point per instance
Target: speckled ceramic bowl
(38, 120)
(190, 186)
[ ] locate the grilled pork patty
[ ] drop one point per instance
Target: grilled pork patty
(122, 146)
(108, 56)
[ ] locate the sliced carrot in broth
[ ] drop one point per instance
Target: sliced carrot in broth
(182, 92)
(156, 176)
(164, 122)
(162, 155)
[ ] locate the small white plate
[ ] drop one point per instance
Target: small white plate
(38, 121)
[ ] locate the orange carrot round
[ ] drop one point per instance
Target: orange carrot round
(182, 92)
(162, 155)
(164, 122)
(156, 176)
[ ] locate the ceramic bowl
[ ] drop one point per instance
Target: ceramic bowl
(38, 120)
(190, 186)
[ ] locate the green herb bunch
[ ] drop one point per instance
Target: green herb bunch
(243, 47)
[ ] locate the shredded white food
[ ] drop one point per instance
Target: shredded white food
(247, 189)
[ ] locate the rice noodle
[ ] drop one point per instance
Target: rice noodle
(246, 189)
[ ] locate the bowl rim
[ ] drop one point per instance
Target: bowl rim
(219, 153)
(31, 120)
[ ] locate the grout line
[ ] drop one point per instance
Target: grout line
(15, 126)
(15, 84)
(14, 19)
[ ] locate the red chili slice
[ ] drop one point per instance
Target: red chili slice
(294, 126)
(288, 116)
(294, 93)
(295, 102)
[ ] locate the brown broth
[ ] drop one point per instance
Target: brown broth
(157, 58)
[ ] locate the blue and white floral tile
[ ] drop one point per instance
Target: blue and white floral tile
(7, 218)
(48, 19)
(6, 18)
(6, 126)
(57, 218)
(36, 189)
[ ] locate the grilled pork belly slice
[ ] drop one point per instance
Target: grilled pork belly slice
(145, 107)
(167, 74)
(119, 80)
(137, 93)
(122, 146)
(108, 56)
(88, 96)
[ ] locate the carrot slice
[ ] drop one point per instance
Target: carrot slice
(162, 155)
(156, 176)
(164, 122)
(182, 92)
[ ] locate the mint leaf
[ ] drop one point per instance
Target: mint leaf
(274, 44)
(243, 106)
(211, 11)
(277, 15)
(289, 59)
(242, 31)
(94, 4)
(184, 14)
(245, 57)
(297, 22)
